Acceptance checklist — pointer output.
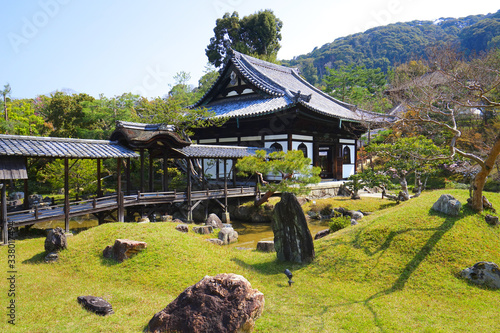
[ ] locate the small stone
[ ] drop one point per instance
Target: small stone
(166, 218)
(265, 246)
(355, 215)
(144, 219)
(95, 304)
(483, 273)
(322, 234)
(491, 220)
(215, 241)
(228, 235)
(354, 222)
(203, 230)
(183, 227)
(52, 257)
(177, 221)
(123, 249)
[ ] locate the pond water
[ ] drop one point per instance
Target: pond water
(249, 233)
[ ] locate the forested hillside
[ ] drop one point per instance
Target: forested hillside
(385, 46)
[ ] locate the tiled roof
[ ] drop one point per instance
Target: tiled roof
(209, 151)
(13, 168)
(32, 146)
(283, 87)
(144, 127)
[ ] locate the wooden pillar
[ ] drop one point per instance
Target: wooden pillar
(188, 191)
(225, 185)
(289, 142)
(26, 203)
(141, 187)
(129, 184)
(165, 172)
(5, 226)
(119, 193)
(234, 172)
(99, 189)
(151, 178)
(66, 194)
(203, 174)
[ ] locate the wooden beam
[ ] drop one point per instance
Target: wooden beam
(119, 190)
(129, 184)
(66, 195)
(99, 189)
(188, 191)
(141, 188)
(151, 176)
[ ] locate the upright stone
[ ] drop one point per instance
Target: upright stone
(214, 221)
(55, 241)
(292, 238)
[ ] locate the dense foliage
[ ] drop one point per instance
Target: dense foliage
(258, 35)
(386, 46)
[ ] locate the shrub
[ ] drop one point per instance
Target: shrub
(340, 222)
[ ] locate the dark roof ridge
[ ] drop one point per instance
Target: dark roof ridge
(144, 126)
(55, 139)
(263, 82)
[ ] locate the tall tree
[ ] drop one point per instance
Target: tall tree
(295, 171)
(448, 100)
(258, 34)
(5, 92)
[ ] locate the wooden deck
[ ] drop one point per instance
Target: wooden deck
(109, 203)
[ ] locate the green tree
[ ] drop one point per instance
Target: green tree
(449, 106)
(6, 92)
(82, 175)
(258, 34)
(405, 156)
(23, 119)
(357, 85)
(295, 171)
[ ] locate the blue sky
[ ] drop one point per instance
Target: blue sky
(112, 47)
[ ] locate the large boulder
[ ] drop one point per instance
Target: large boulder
(95, 304)
(491, 219)
(222, 303)
(292, 238)
(448, 205)
(55, 241)
(483, 273)
(228, 235)
(123, 249)
(213, 221)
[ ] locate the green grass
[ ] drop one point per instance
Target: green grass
(396, 271)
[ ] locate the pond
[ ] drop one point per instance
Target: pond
(249, 233)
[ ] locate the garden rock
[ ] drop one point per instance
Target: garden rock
(322, 234)
(55, 241)
(265, 246)
(177, 221)
(183, 227)
(203, 230)
(123, 249)
(491, 220)
(228, 235)
(166, 218)
(448, 205)
(483, 273)
(215, 241)
(144, 219)
(222, 303)
(354, 222)
(292, 238)
(96, 304)
(52, 257)
(214, 221)
(355, 215)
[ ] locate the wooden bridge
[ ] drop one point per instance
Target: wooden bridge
(119, 203)
(159, 142)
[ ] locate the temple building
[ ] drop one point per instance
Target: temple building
(272, 106)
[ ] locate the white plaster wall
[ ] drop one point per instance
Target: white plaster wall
(348, 169)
